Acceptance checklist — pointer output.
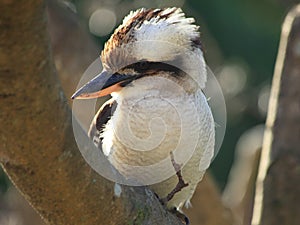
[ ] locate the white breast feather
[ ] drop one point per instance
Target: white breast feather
(166, 39)
(119, 154)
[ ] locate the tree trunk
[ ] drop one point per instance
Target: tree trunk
(278, 185)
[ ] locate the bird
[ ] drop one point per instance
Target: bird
(158, 128)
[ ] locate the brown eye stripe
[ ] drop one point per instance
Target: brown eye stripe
(146, 66)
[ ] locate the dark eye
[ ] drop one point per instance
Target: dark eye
(143, 65)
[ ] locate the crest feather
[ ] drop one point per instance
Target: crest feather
(154, 22)
(156, 35)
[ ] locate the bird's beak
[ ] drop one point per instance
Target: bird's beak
(102, 85)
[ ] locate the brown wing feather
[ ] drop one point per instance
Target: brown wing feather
(100, 120)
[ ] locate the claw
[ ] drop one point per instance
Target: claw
(180, 185)
(181, 216)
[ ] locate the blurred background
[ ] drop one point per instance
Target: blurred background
(240, 39)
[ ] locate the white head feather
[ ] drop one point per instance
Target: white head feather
(157, 36)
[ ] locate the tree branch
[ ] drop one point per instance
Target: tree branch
(38, 149)
(278, 184)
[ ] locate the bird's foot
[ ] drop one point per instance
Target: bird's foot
(181, 216)
(180, 185)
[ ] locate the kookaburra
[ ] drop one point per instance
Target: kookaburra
(158, 126)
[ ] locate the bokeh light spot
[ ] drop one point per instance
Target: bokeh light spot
(102, 21)
(232, 79)
(263, 99)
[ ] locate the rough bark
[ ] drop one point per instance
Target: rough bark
(37, 148)
(278, 185)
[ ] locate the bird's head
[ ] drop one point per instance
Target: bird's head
(147, 42)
